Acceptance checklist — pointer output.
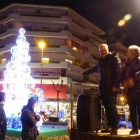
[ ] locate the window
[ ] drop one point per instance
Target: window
(45, 60)
(63, 72)
(67, 60)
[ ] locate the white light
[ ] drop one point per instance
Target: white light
(21, 31)
(67, 60)
(18, 83)
(122, 98)
(4, 59)
(45, 59)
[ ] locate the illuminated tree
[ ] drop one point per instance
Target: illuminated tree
(18, 83)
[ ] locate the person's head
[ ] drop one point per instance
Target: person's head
(133, 52)
(31, 102)
(2, 96)
(103, 50)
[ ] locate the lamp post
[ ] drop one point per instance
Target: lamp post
(41, 45)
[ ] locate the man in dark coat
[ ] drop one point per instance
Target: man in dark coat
(131, 83)
(108, 68)
(29, 119)
(3, 122)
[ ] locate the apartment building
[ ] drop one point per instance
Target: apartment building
(72, 44)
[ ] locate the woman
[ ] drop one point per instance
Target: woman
(131, 83)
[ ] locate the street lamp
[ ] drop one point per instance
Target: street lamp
(122, 99)
(41, 45)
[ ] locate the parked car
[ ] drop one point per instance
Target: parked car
(122, 121)
(66, 120)
(122, 124)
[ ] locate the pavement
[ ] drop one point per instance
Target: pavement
(64, 127)
(123, 134)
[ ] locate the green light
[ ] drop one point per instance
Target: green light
(127, 17)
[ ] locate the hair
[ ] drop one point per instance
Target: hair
(2, 96)
(31, 101)
(105, 45)
(135, 49)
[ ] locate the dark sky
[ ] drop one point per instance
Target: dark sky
(103, 13)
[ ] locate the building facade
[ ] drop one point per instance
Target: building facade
(72, 43)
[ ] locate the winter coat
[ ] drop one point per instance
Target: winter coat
(29, 120)
(3, 122)
(131, 69)
(109, 73)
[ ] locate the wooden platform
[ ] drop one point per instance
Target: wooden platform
(123, 134)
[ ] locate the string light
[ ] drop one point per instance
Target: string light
(18, 83)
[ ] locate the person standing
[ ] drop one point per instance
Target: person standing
(3, 122)
(108, 68)
(131, 82)
(29, 119)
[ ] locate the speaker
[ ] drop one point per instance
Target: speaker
(88, 112)
(83, 112)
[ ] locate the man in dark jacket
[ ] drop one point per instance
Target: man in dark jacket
(29, 119)
(108, 68)
(3, 122)
(131, 83)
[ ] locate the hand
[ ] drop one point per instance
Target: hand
(37, 117)
(115, 89)
(130, 82)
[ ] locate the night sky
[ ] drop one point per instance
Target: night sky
(103, 13)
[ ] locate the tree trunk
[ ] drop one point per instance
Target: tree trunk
(57, 101)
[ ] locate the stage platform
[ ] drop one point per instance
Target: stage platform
(123, 134)
(46, 130)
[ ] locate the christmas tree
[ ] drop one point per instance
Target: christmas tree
(18, 84)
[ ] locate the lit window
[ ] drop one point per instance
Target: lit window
(70, 61)
(74, 48)
(45, 60)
